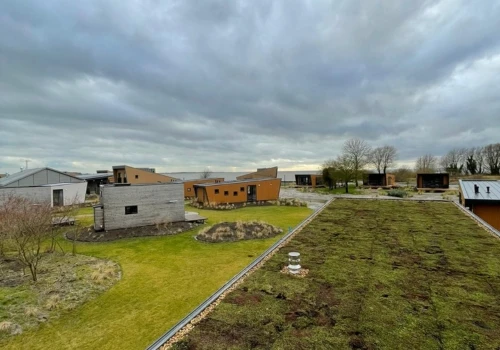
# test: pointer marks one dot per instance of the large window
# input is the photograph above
(131, 209)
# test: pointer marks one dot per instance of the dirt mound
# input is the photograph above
(237, 231)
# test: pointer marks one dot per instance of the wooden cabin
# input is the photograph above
(260, 174)
(434, 181)
(243, 191)
(482, 197)
(309, 180)
(189, 191)
(379, 180)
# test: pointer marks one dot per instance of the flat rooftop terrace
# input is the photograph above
(382, 275)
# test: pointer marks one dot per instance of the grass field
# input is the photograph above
(382, 275)
(164, 278)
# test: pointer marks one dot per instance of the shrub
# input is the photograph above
(397, 193)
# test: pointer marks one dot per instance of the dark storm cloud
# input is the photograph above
(181, 85)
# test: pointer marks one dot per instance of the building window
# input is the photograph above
(189, 190)
(137, 176)
(242, 189)
(226, 193)
(216, 191)
(131, 209)
(235, 193)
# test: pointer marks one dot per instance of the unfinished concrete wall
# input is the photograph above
(142, 205)
(98, 218)
(35, 194)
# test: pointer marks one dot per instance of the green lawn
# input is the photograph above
(338, 190)
(164, 278)
(382, 275)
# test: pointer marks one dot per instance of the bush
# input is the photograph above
(397, 193)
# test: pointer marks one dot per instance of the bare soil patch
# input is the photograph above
(236, 231)
(64, 282)
(89, 235)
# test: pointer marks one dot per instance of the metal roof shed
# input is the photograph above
(482, 197)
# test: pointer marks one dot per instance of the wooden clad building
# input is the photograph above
(434, 180)
(126, 205)
(260, 174)
(189, 191)
(238, 191)
(312, 180)
(379, 180)
(127, 174)
(482, 197)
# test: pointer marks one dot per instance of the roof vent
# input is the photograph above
(487, 189)
(476, 188)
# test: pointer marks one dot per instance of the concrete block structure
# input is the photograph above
(44, 185)
(126, 205)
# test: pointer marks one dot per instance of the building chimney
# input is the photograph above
(476, 188)
(487, 189)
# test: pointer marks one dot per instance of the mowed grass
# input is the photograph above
(164, 278)
(382, 275)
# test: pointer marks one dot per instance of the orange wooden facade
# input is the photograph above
(238, 191)
(189, 191)
(260, 174)
(489, 213)
(127, 174)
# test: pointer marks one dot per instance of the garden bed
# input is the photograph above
(382, 275)
(89, 235)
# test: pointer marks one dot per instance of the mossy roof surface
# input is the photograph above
(382, 275)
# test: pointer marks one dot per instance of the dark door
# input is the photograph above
(57, 198)
(252, 193)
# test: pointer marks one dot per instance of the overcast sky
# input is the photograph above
(235, 85)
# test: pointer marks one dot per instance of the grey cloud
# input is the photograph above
(181, 84)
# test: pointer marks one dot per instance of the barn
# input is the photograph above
(44, 185)
(253, 190)
(482, 197)
(433, 180)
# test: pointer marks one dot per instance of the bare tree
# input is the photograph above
(454, 161)
(404, 174)
(357, 151)
(426, 164)
(492, 158)
(479, 158)
(205, 174)
(344, 169)
(382, 157)
(27, 225)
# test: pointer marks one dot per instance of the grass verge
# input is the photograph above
(382, 275)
